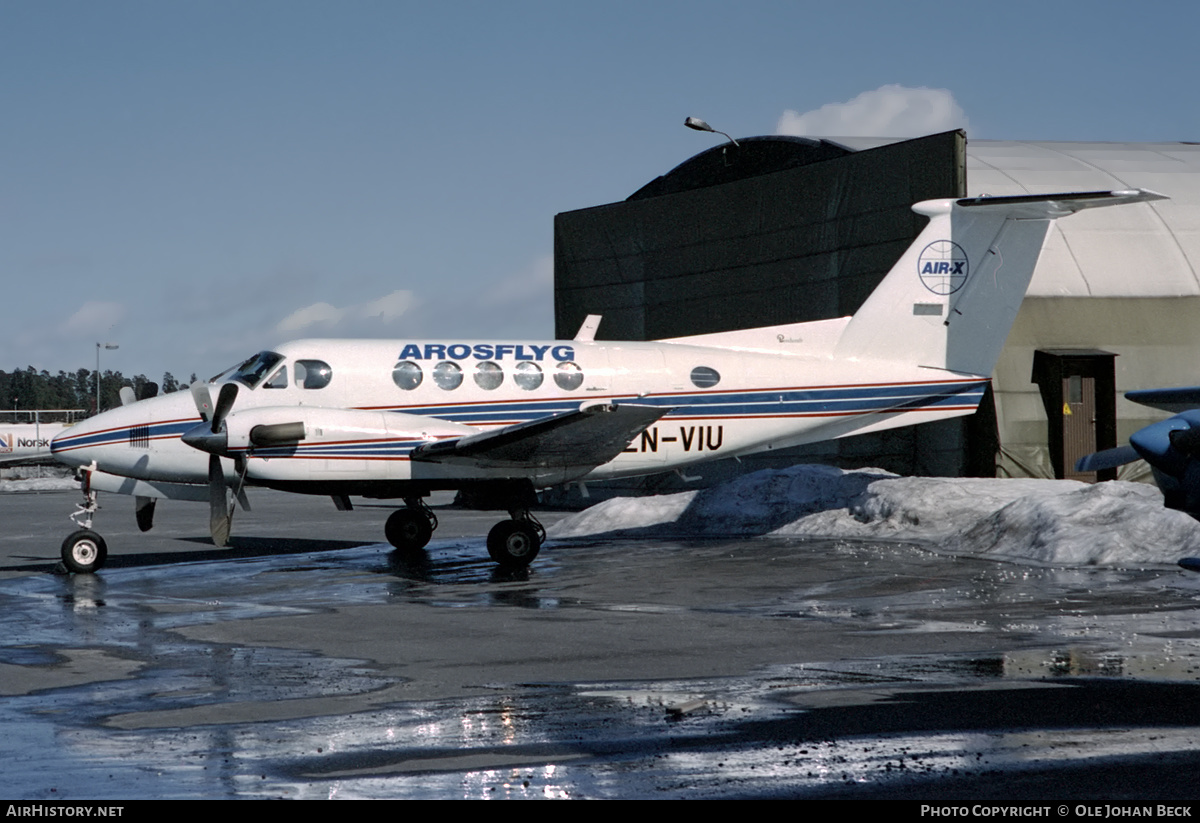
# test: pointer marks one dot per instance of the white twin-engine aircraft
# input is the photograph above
(400, 419)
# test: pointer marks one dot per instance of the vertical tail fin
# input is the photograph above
(951, 299)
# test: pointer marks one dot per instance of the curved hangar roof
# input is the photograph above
(1143, 250)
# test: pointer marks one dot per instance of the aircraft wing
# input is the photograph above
(591, 436)
(1172, 400)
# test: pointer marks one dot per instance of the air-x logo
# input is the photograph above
(943, 267)
(6, 443)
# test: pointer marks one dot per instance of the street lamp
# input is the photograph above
(107, 346)
(699, 125)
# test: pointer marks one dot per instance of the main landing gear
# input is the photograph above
(410, 528)
(514, 542)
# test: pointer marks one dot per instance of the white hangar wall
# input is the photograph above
(1120, 280)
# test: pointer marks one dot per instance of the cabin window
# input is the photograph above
(528, 376)
(313, 374)
(447, 375)
(407, 375)
(705, 378)
(488, 375)
(278, 379)
(569, 376)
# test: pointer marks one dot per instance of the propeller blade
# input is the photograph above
(219, 515)
(202, 399)
(127, 396)
(229, 393)
(1107, 459)
(277, 434)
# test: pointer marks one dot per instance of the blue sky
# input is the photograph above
(197, 181)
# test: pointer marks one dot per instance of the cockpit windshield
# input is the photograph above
(251, 372)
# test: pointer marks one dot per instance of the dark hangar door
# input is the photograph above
(1078, 390)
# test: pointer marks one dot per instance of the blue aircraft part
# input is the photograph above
(1161, 450)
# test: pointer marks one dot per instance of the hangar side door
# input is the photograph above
(1078, 390)
(1078, 424)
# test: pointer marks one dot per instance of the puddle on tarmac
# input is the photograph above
(1103, 668)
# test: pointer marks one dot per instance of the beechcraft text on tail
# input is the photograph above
(501, 419)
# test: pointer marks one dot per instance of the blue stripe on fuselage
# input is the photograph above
(120, 434)
(831, 401)
(796, 402)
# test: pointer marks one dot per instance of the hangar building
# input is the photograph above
(787, 229)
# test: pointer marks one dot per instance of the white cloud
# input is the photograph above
(329, 319)
(318, 314)
(95, 318)
(389, 307)
(888, 111)
(519, 304)
(536, 281)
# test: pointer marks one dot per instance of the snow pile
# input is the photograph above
(1043, 521)
(39, 484)
(46, 479)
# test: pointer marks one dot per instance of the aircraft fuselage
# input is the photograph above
(367, 404)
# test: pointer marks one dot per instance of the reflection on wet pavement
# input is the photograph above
(832, 670)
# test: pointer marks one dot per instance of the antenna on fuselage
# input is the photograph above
(587, 332)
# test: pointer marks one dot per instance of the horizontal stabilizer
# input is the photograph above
(1107, 459)
(588, 437)
(1059, 205)
(1172, 400)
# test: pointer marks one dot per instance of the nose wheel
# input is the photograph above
(84, 551)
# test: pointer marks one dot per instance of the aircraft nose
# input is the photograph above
(72, 446)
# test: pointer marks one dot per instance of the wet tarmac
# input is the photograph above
(309, 661)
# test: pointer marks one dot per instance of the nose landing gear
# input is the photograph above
(84, 551)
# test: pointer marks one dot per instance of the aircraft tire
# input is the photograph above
(408, 529)
(513, 543)
(84, 551)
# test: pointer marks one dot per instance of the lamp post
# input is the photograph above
(107, 346)
(699, 125)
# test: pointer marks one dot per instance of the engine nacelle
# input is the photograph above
(1172, 448)
(311, 443)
